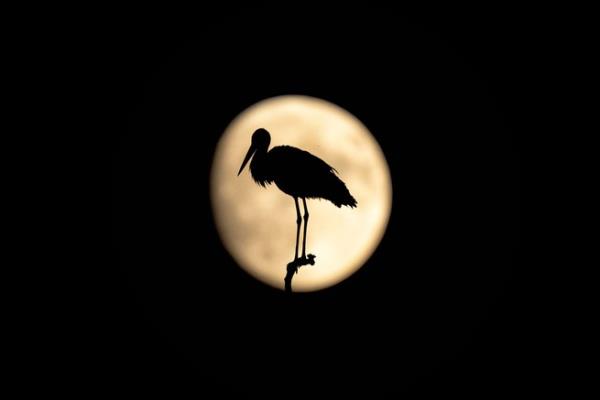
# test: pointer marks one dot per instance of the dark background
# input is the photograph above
(442, 306)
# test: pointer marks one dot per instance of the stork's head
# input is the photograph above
(260, 141)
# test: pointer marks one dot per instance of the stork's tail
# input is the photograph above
(339, 193)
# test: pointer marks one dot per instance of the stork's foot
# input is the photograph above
(309, 259)
(299, 262)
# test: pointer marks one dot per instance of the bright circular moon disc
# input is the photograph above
(258, 225)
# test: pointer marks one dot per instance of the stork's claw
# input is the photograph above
(299, 262)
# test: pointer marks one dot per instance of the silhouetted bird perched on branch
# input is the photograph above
(299, 174)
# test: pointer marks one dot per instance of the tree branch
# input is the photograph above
(292, 269)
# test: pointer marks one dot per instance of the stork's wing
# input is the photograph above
(299, 173)
(310, 164)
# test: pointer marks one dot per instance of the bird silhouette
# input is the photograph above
(299, 174)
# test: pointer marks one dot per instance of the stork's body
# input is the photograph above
(297, 173)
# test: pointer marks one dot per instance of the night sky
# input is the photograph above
(441, 306)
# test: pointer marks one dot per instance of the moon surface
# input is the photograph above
(258, 225)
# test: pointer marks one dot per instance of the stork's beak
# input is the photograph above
(249, 155)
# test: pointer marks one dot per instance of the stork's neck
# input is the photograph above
(258, 166)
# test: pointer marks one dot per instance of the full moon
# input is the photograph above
(258, 225)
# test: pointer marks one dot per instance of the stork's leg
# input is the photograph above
(298, 222)
(305, 226)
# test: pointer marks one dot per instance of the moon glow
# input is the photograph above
(258, 225)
